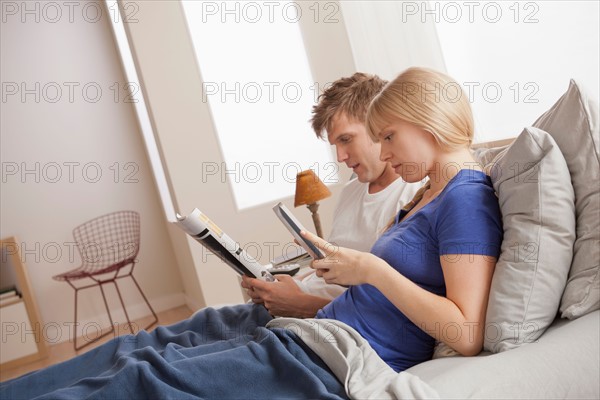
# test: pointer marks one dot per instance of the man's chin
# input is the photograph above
(363, 178)
(412, 178)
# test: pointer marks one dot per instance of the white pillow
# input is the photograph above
(573, 123)
(536, 199)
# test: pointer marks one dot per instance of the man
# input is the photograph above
(367, 202)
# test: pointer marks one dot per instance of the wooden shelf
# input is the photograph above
(22, 339)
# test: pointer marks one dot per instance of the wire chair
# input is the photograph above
(107, 245)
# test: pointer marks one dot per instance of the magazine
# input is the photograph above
(206, 232)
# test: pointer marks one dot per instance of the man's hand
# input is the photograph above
(283, 297)
(252, 293)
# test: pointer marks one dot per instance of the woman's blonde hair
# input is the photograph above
(428, 99)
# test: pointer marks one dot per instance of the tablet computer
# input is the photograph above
(294, 226)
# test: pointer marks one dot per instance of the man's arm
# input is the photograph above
(283, 298)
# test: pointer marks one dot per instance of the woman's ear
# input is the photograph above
(432, 137)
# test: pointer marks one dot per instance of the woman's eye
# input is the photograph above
(387, 138)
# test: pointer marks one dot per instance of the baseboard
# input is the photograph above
(192, 304)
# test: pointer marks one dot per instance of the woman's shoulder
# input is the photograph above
(469, 187)
(472, 180)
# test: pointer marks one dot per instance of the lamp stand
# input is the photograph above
(315, 216)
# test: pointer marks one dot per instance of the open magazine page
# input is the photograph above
(207, 233)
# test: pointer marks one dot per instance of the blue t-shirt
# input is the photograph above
(463, 219)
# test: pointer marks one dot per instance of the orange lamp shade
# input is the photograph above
(309, 188)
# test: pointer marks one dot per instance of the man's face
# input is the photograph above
(355, 148)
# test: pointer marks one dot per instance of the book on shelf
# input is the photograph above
(8, 297)
(8, 292)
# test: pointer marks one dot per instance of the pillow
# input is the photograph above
(536, 199)
(573, 123)
(486, 156)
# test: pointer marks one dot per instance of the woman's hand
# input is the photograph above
(342, 265)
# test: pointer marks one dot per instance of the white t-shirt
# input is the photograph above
(359, 219)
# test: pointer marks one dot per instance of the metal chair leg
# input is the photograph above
(112, 326)
(123, 305)
(75, 325)
(106, 306)
(147, 303)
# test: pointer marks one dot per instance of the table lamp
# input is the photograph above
(309, 190)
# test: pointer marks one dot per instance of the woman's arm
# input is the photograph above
(457, 319)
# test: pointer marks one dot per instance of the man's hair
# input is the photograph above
(350, 95)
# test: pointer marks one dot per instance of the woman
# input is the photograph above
(428, 276)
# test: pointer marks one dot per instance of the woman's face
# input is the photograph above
(411, 150)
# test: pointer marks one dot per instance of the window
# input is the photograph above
(257, 82)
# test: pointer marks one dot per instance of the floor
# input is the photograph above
(64, 351)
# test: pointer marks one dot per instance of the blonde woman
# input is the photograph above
(428, 276)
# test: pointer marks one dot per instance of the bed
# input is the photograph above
(542, 325)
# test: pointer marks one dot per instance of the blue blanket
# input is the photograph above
(217, 353)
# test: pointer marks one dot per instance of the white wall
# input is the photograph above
(516, 58)
(41, 209)
(385, 43)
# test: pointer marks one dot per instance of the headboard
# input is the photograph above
(492, 144)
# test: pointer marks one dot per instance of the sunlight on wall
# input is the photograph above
(515, 59)
(257, 82)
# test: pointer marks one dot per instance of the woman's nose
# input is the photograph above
(384, 155)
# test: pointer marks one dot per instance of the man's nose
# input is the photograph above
(342, 155)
